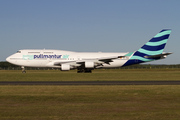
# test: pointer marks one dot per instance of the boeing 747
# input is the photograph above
(85, 62)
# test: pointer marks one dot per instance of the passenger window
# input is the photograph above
(18, 51)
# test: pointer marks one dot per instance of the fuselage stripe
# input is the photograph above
(140, 58)
(150, 52)
(163, 33)
(157, 43)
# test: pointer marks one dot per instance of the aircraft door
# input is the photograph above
(78, 58)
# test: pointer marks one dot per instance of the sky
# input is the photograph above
(88, 25)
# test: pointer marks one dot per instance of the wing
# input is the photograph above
(89, 63)
(109, 59)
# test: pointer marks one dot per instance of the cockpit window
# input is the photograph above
(18, 51)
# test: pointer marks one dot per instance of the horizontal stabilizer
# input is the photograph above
(160, 56)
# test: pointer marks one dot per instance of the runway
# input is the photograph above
(89, 82)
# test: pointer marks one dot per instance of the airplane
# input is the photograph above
(85, 62)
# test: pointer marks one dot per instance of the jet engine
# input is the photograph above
(89, 64)
(65, 67)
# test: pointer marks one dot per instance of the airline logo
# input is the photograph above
(41, 56)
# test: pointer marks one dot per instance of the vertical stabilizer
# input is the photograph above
(155, 46)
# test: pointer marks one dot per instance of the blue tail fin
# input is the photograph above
(154, 47)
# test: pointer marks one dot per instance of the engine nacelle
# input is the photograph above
(89, 64)
(65, 67)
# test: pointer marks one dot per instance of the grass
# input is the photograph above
(90, 102)
(97, 75)
(129, 102)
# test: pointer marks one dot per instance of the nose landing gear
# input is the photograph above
(23, 69)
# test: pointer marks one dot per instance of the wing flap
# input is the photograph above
(110, 58)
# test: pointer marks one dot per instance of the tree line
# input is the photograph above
(9, 66)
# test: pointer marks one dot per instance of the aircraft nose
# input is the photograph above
(8, 59)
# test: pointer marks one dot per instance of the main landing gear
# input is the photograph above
(23, 69)
(84, 71)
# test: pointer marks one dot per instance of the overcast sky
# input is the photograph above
(88, 25)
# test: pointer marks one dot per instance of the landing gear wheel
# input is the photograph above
(88, 71)
(80, 71)
(84, 71)
(23, 69)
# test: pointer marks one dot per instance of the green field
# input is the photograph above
(112, 102)
(97, 75)
(90, 102)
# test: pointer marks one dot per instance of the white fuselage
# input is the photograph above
(48, 58)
